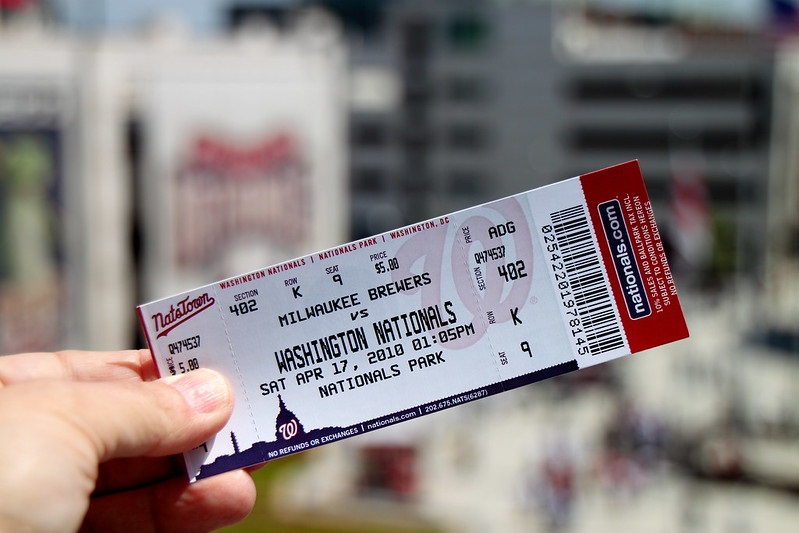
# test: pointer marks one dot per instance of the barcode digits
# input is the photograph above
(589, 298)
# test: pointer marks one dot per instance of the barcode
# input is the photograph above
(591, 293)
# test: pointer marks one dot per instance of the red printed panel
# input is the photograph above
(633, 250)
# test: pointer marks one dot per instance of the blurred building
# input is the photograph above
(780, 306)
(136, 166)
(469, 109)
(240, 152)
(772, 414)
(459, 102)
(62, 276)
(481, 100)
(692, 102)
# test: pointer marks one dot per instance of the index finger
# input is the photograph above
(73, 365)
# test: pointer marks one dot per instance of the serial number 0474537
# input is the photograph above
(490, 254)
(186, 345)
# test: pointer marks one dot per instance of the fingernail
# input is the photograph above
(204, 389)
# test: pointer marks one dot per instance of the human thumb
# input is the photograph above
(129, 419)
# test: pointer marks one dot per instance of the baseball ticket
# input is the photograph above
(426, 317)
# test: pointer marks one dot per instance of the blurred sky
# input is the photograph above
(208, 16)
(204, 16)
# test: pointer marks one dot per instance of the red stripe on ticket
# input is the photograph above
(634, 255)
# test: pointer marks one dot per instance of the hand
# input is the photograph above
(88, 442)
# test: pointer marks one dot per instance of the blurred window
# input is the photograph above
(466, 89)
(466, 182)
(369, 179)
(416, 136)
(467, 32)
(368, 133)
(711, 138)
(418, 92)
(716, 88)
(364, 17)
(467, 137)
(417, 38)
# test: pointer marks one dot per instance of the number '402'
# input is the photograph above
(242, 308)
(512, 271)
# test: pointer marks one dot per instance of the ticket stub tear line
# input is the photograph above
(425, 317)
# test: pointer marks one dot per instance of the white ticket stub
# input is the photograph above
(425, 317)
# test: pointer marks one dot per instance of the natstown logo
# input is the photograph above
(289, 429)
(180, 312)
(621, 249)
